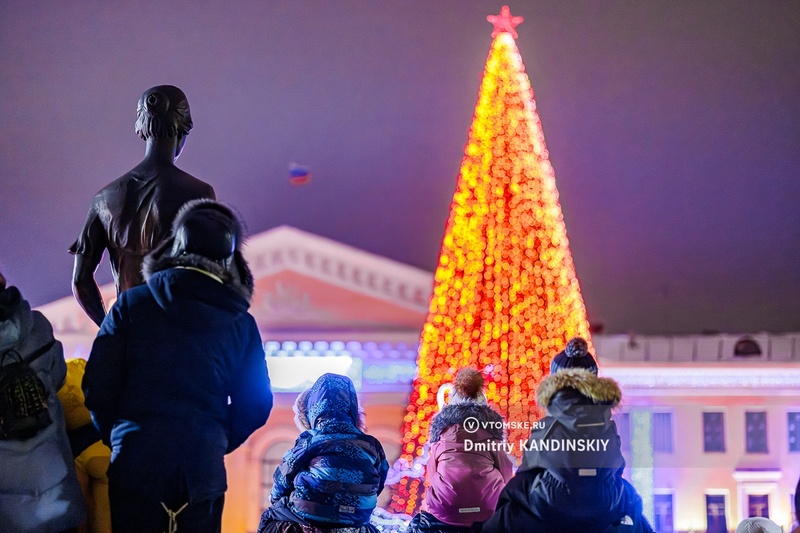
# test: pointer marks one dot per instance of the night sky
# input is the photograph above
(673, 128)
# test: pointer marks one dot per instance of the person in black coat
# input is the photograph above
(571, 475)
(177, 377)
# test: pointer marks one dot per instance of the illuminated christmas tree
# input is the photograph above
(505, 297)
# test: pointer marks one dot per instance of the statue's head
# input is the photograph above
(163, 112)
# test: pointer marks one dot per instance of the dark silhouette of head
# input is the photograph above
(163, 112)
(208, 229)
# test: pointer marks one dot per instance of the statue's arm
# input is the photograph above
(88, 252)
(85, 289)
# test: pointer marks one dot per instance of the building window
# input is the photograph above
(269, 463)
(794, 432)
(662, 432)
(623, 421)
(715, 514)
(755, 427)
(746, 347)
(713, 432)
(662, 506)
(758, 505)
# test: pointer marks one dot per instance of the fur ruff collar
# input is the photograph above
(229, 277)
(599, 390)
(456, 414)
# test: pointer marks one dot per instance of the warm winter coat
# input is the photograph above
(463, 483)
(518, 510)
(39, 492)
(581, 489)
(176, 377)
(335, 471)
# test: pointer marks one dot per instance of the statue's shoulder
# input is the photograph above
(203, 189)
(114, 187)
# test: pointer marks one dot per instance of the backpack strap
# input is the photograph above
(35, 355)
(41, 351)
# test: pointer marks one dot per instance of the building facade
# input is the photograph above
(710, 424)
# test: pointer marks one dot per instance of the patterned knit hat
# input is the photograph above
(575, 355)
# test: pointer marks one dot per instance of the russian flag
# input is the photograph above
(299, 174)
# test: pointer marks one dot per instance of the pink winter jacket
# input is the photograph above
(464, 485)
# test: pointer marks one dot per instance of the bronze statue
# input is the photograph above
(132, 214)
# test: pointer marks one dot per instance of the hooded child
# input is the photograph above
(333, 475)
(466, 469)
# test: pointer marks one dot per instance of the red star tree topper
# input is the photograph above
(505, 297)
(504, 22)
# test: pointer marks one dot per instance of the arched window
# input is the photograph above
(269, 462)
(746, 347)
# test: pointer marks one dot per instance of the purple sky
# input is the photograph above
(673, 127)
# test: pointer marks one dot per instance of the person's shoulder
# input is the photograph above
(41, 322)
(134, 297)
(373, 443)
(371, 439)
(135, 292)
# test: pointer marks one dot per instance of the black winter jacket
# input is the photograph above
(570, 479)
(519, 505)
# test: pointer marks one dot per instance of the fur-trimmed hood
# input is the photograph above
(237, 274)
(601, 391)
(456, 414)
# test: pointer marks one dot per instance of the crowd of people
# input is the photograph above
(134, 439)
(176, 379)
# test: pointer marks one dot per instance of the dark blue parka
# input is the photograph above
(177, 378)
